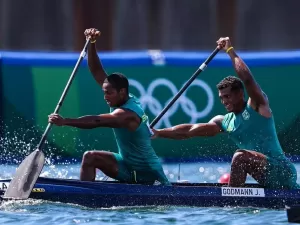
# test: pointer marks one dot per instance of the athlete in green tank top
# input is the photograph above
(135, 147)
(250, 124)
(136, 161)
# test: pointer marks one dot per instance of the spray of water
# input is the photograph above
(17, 144)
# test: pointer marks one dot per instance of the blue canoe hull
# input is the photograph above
(108, 194)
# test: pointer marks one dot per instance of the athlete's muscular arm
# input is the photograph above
(94, 62)
(119, 118)
(186, 131)
(258, 98)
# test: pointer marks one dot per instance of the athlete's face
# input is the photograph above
(232, 100)
(112, 96)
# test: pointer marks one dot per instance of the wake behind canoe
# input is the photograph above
(110, 193)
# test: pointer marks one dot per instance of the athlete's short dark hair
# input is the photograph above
(118, 81)
(233, 82)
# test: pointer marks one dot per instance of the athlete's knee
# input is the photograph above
(89, 157)
(239, 157)
(95, 157)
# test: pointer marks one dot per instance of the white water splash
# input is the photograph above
(18, 205)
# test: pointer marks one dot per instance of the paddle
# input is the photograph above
(199, 70)
(28, 172)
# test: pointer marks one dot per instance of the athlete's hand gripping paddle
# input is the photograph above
(28, 172)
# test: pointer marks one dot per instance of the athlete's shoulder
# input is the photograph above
(221, 118)
(133, 98)
(133, 101)
(124, 113)
(133, 104)
(225, 123)
(217, 119)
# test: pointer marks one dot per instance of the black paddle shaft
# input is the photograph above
(199, 70)
(62, 98)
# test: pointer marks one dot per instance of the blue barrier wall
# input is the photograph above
(149, 58)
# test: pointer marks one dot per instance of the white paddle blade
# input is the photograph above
(26, 175)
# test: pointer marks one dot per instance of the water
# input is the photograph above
(42, 212)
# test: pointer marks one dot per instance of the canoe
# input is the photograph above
(112, 193)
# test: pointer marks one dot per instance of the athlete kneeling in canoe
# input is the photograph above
(250, 124)
(136, 161)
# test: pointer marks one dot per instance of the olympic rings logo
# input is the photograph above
(186, 104)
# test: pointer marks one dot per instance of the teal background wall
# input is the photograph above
(32, 83)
